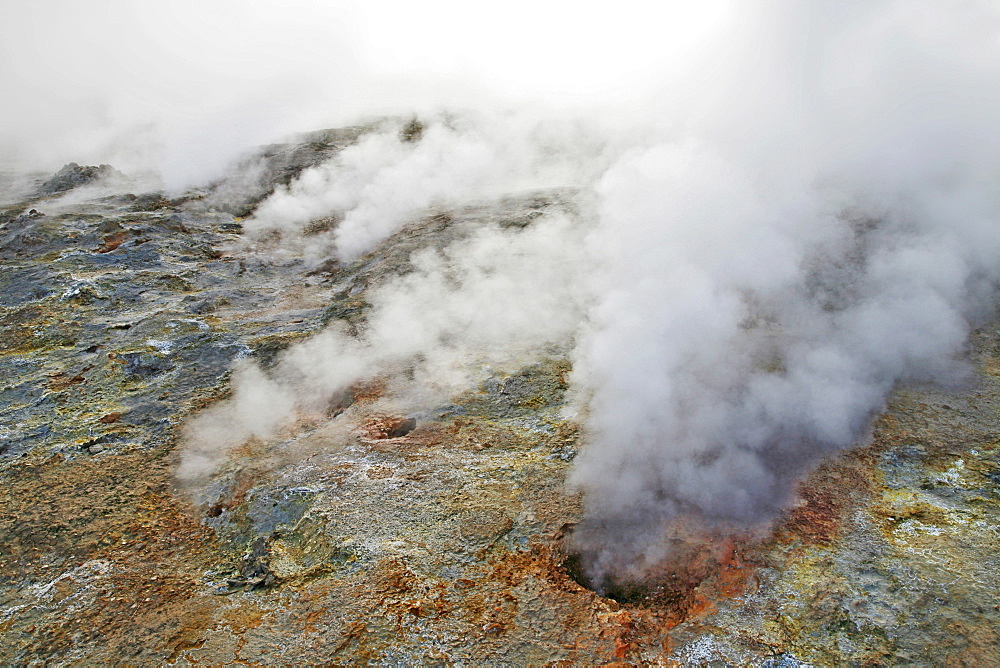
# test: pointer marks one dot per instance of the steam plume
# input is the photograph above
(484, 303)
(373, 188)
(754, 315)
(795, 209)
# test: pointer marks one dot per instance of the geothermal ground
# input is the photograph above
(365, 537)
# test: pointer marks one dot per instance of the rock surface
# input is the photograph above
(411, 541)
(73, 175)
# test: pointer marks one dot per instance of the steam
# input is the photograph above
(794, 208)
(762, 332)
(753, 314)
(484, 303)
(179, 89)
(373, 188)
(186, 88)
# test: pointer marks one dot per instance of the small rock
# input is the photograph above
(412, 131)
(73, 175)
(150, 202)
(378, 471)
(96, 449)
(402, 427)
(386, 426)
(112, 241)
(145, 364)
(110, 418)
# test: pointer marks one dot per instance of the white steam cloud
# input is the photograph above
(374, 187)
(795, 207)
(740, 336)
(758, 302)
(489, 302)
(179, 88)
(185, 88)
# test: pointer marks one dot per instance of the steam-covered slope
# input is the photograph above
(415, 510)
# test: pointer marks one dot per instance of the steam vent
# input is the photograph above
(231, 437)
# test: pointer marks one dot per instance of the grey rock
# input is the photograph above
(73, 175)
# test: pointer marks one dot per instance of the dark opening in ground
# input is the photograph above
(698, 564)
(402, 428)
(651, 593)
(630, 593)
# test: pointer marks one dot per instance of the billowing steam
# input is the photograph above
(373, 188)
(756, 304)
(792, 212)
(757, 279)
(757, 335)
(487, 301)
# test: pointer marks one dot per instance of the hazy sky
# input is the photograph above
(182, 85)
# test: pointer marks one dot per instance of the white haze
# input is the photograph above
(184, 88)
(765, 283)
(795, 208)
(375, 187)
(480, 305)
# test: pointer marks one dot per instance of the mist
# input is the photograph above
(782, 211)
(485, 303)
(375, 187)
(765, 282)
(183, 90)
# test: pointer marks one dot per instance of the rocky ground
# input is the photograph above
(410, 542)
